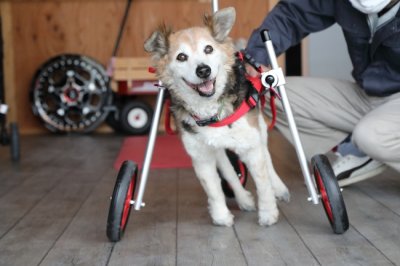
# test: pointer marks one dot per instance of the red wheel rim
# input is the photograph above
(127, 204)
(324, 196)
(242, 173)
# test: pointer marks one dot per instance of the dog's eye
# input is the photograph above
(182, 57)
(208, 49)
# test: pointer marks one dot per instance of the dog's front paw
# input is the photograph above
(267, 218)
(223, 219)
(246, 201)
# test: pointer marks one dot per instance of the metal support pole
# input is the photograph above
(214, 4)
(150, 146)
(292, 124)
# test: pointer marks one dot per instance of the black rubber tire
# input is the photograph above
(14, 142)
(113, 121)
(113, 116)
(241, 171)
(144, 116)
(331, 196)
(4, 138)
(71, 93)
(120, 207)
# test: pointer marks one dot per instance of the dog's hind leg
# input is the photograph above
(243, 197)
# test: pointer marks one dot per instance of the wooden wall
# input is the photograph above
(35, 30)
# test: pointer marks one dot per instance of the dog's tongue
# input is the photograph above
(206, 87)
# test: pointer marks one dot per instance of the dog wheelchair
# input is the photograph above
(323, 188)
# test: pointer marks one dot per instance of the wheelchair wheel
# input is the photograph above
(241, 171)
(70, 93)
(330, 194)
(120, 206)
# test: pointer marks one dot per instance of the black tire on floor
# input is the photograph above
(136, 117)
(113, 121)
(120, 206)
(331, 196)
(113, 116)
(241, 171)
(14, 142)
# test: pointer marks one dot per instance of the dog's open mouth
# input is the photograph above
(206, 89)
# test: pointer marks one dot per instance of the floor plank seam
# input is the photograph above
(378, 201)
(177, 216)
(372, 244)
(109, 254)
(240, 244)
(70, 221)
(28, 177)
(15, 186)
(31, 208)
(300, 237)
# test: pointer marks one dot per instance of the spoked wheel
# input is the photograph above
(241, 171)
(330, 194)
(70, 93)
(136, 117)
(120, 206)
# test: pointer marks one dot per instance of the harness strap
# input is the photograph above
(167, 120)
(242, 110)
(273, 110)
(255, 95)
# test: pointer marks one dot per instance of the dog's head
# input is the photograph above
(195, 62)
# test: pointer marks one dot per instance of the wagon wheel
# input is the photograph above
(70, 93)
(136, 117)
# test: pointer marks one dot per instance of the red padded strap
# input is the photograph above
(243, 109)
(167, 121)
(273, 111)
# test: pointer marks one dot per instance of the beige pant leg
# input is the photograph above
(325, 111)
(378, 132)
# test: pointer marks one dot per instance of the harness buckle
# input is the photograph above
(253, 98)
(206, 122)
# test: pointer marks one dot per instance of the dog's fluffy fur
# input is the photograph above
(198, 67)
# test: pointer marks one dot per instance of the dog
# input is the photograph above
(199, 68)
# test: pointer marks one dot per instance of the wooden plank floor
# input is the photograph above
(54, 205)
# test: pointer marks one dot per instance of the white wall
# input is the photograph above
(326, 55)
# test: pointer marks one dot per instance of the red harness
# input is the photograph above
(257, 94)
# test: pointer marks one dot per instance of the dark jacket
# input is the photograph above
(376, 62)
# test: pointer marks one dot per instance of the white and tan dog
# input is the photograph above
(198, 67)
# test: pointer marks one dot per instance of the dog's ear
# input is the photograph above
(158, 44)
(221, 23)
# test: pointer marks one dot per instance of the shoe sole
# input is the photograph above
(369, 174)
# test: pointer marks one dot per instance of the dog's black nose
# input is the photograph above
(203, 71)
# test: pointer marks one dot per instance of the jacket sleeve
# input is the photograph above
(288, 23)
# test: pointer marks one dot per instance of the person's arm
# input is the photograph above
(288, 23)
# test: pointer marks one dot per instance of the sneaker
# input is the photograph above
(350, 169)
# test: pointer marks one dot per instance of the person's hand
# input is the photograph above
(253, 72)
